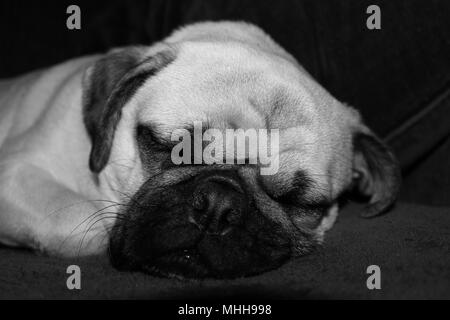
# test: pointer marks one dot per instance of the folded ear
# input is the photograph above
(376, 173)
(107, 86)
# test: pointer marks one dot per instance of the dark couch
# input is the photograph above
(398, 77)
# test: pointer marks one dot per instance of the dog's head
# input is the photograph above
(225, 220)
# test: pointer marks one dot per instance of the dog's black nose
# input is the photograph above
(219, 204)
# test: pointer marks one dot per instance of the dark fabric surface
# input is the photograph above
(410, 246)
(398, 77)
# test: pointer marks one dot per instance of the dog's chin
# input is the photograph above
(193, 264)
(186, 264)
(207, 257)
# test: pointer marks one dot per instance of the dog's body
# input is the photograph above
(116, 113)
(44, 177)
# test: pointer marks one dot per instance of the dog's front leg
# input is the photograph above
(39, 213)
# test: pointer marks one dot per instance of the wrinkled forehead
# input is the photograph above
(224, 86)
(234, 86)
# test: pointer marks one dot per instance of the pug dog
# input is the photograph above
(86, 168)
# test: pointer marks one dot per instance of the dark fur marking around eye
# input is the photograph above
(295, 197)
(153, 145)
(147, 138)
(152, 150)
(300, 184)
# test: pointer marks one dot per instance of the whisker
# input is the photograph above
(91, 216)
(78, 203)
(91, 226)
(130, 198)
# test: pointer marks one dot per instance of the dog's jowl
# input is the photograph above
(86, 166)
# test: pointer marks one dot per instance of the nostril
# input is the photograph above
(223, 222)
(224, 213)
(230, 216)
(218, 205)
(226, 221)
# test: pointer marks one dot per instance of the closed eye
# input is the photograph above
(300, 184)
(295, 198)
(296, 195)
(147, 138)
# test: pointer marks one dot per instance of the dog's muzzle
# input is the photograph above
(207, 226)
